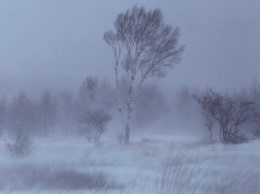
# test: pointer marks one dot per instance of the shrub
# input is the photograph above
(229, 112)
(21, 146)
(96, 123)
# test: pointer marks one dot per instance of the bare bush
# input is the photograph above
(230, 113)
(21, 146)
(96, 122)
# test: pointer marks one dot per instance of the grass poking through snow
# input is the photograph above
(154, 167)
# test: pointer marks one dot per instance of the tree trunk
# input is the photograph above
(221, 134)
(129, 104)
(127, 133)
(210, 136)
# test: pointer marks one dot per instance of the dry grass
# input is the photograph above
(203, 168)
(31, 177)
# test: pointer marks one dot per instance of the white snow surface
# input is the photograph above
(150, 165)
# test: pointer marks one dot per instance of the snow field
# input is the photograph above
(152, 166)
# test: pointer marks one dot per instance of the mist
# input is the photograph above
(60, 43)
(63, 119)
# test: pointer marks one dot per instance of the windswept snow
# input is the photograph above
(151, 165)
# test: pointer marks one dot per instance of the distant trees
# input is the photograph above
(51, 113)
(66, 110)
(93, 108)
(22, 115)
(184, 103)
(255, 95)
(229, 113)
(21, 122)
(228, 116)
(150, 105)
(3, 114)
(143, 47)
(31, 115)
(47, 112)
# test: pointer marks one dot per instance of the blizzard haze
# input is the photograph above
(65, 126)
(59, 43)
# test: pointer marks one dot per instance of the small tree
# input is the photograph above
(229, 112)
(93, 110)
(96, 122)
(143, 47)
(22, 116)
(21, 146)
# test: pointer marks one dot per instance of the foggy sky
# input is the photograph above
(47, 43)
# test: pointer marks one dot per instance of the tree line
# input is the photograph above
(87, 111)
(231, 117)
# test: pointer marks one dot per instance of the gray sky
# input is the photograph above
(60, 42)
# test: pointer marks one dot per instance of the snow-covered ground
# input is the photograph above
(154, 165)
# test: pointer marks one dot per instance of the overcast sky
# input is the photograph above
(60, 42)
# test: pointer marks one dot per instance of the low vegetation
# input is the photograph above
(32, 177)
(150, 166)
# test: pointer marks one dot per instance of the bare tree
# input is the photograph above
(96, 122)
(21, 146)
(143, 47)
(229, 112)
